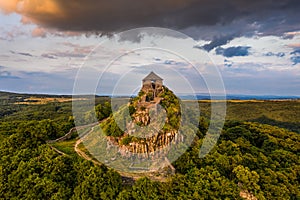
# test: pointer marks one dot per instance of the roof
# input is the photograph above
(152, 77)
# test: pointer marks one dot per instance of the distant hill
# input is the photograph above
(11, 97)
(237, 97)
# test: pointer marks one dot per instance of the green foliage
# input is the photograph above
(150, 96)
(284, 114)
(141, 93)
(97, 183)
(261, 159)
(172, 106)
(66, 147)
(103, 111)
(131, 109)
(126, 140)
(100, 112)
(111, 128)
(248, 179)
(145, 189)
(30, 169)
(204, 183)
(203, 125)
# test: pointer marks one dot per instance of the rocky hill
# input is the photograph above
(153, 123)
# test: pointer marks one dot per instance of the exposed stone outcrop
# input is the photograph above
(155, 145)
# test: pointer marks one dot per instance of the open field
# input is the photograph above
(36, 100)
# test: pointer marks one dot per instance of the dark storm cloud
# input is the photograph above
(273, 17)
(233, 51)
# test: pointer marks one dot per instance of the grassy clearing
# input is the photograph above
(66, 146)
(38, 101)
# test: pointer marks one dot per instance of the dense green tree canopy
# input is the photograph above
(253, 158)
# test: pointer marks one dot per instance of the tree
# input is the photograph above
(248, 179)
(145, 189)
(98, 183)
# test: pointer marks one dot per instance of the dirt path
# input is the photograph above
(58, 151)
(69, 134)
(127, 179)
(81, 153)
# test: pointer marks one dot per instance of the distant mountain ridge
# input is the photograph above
(238, 97)
(196, 96)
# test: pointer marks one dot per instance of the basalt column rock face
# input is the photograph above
(154, 120)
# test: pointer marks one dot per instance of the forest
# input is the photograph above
(257, 156)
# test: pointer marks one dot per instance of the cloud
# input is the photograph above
(295, 59)
(50, 56)
(170, 62)
(60, 82)
(228, 63)
(44, 32)
(295, 56)
(4, 74)
(78, 48)
(217, 41)
(296, 51)
(22, 53)
(7, 75)
(138, 35)
(233, 51)
(290, 35)
(296, 45)
(39, 32)
(10, 33)
(63, 54)
(253, 78)
(77, 51)
(279, 54)
(102, 16)
(261, 83)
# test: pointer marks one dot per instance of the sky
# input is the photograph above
(54, 46)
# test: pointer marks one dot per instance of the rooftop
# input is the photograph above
(152, 77)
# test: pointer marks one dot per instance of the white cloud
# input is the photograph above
(57, 59)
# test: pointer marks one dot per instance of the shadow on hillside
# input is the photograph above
(295, 127)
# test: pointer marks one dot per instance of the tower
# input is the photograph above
(152, 83)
